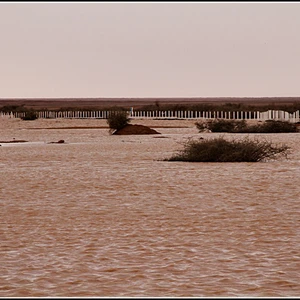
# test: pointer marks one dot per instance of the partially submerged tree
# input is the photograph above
(30, 115)
(221, 150)
(117, 120)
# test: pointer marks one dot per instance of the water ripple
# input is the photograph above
(105, 216)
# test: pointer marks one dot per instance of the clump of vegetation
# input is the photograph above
(220, 125)
(13, 108)
(30, 115)
(221, 150)
(117, 120)
(241, 126)
(247, 104)
(272, 126)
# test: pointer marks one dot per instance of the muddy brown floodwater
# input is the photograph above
(105, 216)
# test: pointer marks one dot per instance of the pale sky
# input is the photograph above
(149, 49)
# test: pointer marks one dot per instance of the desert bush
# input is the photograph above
(117, 120)
(30, 115)
(240, 126)
(272, 126)
(221, 150)
(220, 125)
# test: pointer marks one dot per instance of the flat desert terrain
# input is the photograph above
(102, 103)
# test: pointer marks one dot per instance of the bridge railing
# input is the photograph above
(278, 115)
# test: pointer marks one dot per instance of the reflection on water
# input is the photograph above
(103, 215)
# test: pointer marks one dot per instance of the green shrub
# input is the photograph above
(221, 150)
(30, 115)
(117, 120)
(240, 126)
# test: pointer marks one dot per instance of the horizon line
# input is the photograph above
(157, 97)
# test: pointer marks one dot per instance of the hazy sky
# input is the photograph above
(149, 49)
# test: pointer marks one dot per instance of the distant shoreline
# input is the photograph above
(100, 103)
